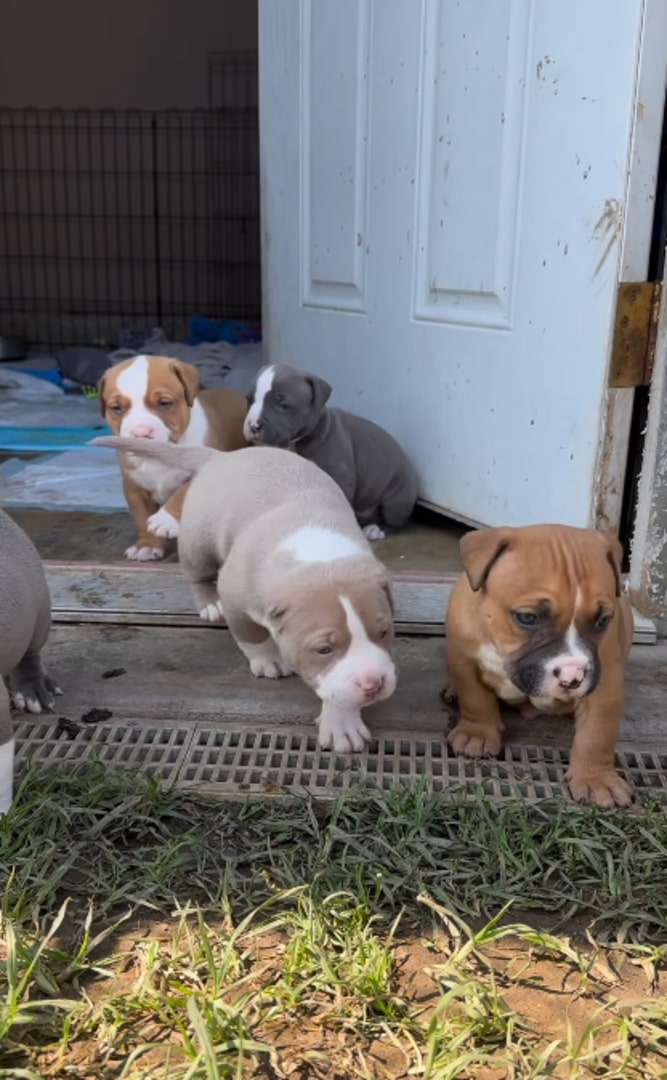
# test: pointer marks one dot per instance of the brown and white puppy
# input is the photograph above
(270, 539)
(537, 621)
(157, 397)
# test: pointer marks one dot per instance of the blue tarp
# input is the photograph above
(29, 440)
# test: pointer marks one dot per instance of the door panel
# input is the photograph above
(443, 192)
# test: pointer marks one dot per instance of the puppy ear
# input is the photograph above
(615, 558)
(385, 585)
(188, 375)
(100, 390)
(320, 391)
(480, 550)
(276, 614)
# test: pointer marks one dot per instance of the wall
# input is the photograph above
(150, 54)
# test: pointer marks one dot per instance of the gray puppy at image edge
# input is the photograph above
(288, 409)
(25, 621)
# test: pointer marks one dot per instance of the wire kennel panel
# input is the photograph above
(126, 218)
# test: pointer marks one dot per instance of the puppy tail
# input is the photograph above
(179, 463)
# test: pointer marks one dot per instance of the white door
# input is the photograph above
(443, 195)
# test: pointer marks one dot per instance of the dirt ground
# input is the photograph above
(567, 1007)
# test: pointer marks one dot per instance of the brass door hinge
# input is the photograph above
(635, 328)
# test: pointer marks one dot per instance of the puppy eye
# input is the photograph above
(284, 405)
(526, 619)
(116, 407)
(324, 650)
(603, 620)
(164, 403)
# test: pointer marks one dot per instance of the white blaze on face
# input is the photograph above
(254, 414)
(316, 544)
(139, 422)
(568, 675)
(366, 672)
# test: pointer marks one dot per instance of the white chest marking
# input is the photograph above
(196, 432)
(151, 475)
(493, 669)
(316, 544)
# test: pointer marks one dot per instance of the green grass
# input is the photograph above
(147, 933)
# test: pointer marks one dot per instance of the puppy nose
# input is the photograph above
(573, 684)
(370, 684)
(142, 431)
(570, 675)
(255, 426)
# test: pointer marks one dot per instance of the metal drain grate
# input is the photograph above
(157, 751)
(226, 762)
(256, 761)
(222, 761)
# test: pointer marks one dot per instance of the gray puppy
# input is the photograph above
(288, 408)
(25, 621)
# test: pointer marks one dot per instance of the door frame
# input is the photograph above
(648, 558)
(643, 163)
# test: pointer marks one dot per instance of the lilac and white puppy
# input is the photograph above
(270, 541)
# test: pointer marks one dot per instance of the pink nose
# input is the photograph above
(370, 684)
(142, 431)
(570, 674)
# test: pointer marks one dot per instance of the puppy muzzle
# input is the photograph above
(560, 679)
(360, 690)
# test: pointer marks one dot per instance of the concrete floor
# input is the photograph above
(429, 544)
(199, 674)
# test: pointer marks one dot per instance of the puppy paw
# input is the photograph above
(269, 669)
(344, 734)
(211, 612)
(475, 742)
(604, 787)
(373, 532)
(163, 524)
(33, 695)
(144, 553)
